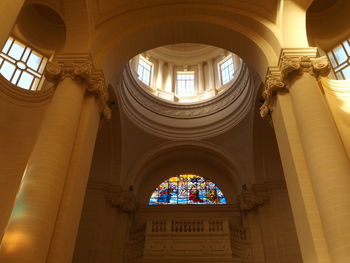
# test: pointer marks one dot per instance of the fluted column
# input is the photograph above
(324, 153)
(9, 12)
(29, 231)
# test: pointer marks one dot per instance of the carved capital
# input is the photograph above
(293, 63)
(96, 86)
(123, 200)
(56, 72)
(80, 69)
(249, 200)
(273, 85)
(321, 66)
(304, 64)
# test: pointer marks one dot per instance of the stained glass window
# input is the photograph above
(187, 189)
(21, 65)
(340, 60)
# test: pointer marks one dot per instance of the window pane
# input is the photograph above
(340, 54)
(25, 81)
(16, 76)
(7, 70)
(346, 72)
(7, 45)
(16, 50)
(347, 47)
(226, 71)
(34, 61)
(144, 70)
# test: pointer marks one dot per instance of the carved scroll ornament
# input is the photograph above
(273, 85)
(290, 67)
(81, 72)
(249, 200)
(123, 200)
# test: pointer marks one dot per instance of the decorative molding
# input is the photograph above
(273, 85)
(292, 64)
(183, 111)
(79, 68)
(23, 97)
(250, 200)
(177, 121)
(123, 200)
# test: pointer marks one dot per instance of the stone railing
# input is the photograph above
(212, 238)
(135, 244)
(191, 226)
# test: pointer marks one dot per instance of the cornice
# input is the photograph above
(185, 121)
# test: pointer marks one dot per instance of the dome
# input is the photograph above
(185, 73)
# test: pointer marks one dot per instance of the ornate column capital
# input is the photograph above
(79, 67)
(123, 200)
(249, 200)
(292, 64)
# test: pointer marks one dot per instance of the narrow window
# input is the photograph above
(144, 70)
(185, 83)
(340, 60)
(22, 65)
(226, 70)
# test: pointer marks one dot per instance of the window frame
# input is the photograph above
(150, 71)
(340, 66)
(24, 66)
(220, 69)
(193, 87)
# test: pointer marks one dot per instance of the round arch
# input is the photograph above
(189, 157)
(249, 36)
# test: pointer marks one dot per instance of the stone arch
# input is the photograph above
(171, 159)
(249, 36)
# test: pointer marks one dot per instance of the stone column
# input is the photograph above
(210, 76)
(10, 10)
(324, 153)
(30, 228)
(200, 78)
(68, 218)
(169, 80)
(159, 80)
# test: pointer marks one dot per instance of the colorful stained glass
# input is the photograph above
(187, 189)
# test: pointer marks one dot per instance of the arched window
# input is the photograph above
(187, 189)
(22, 65)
